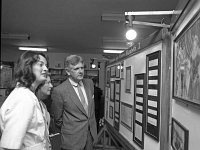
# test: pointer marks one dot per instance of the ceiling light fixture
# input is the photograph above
(113, 51)
(33, 49)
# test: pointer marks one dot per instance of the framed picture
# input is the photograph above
(153, 73)
(139, 109)
(112, 71)
(106, 108)
(112, 91)
(117, 104)
(118, 70)
(128, 79)
(126, 115)
(186, 74)
(108, 76)
(122, 70)
(179, 136)
(111, 112)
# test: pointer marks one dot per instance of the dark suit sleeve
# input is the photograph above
(57, 107)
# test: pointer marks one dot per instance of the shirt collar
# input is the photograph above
(74, 83)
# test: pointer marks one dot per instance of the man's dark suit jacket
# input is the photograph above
(70, 115)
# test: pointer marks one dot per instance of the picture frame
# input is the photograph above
(122, 70)
(113, 71)
(112, 91)
(118, 71)
(108, 76)
(111, 112)
(186, 73)
(179, 136)
(139, 109)
(126, 115)
(117, 104)
(128, 80)
(153, 75)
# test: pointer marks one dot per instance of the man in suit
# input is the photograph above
(73, 107)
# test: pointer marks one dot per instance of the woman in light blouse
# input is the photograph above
(21, 119)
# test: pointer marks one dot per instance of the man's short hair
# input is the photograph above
(73, 60)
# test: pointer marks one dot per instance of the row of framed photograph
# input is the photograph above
(144, 115)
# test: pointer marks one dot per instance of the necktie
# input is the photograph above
(83, 101)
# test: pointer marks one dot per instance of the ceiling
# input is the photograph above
(77, 26)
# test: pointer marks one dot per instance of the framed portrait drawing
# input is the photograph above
(179, 136)
(128, 80)
(186, 74)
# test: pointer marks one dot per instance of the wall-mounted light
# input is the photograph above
(131, 33)
(113, 51)
(92, 65)
(33, 49)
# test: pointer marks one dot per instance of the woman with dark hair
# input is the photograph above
(21, 120)
(42, 93)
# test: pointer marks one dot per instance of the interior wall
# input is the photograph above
(188, 115)
(12, 54)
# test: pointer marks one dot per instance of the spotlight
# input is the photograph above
(131, 34)
(93, 66)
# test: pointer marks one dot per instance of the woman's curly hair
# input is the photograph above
(24, 74)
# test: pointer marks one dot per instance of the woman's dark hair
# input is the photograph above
(23, 74)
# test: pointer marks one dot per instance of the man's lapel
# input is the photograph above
(87, 90)
(74, 97)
